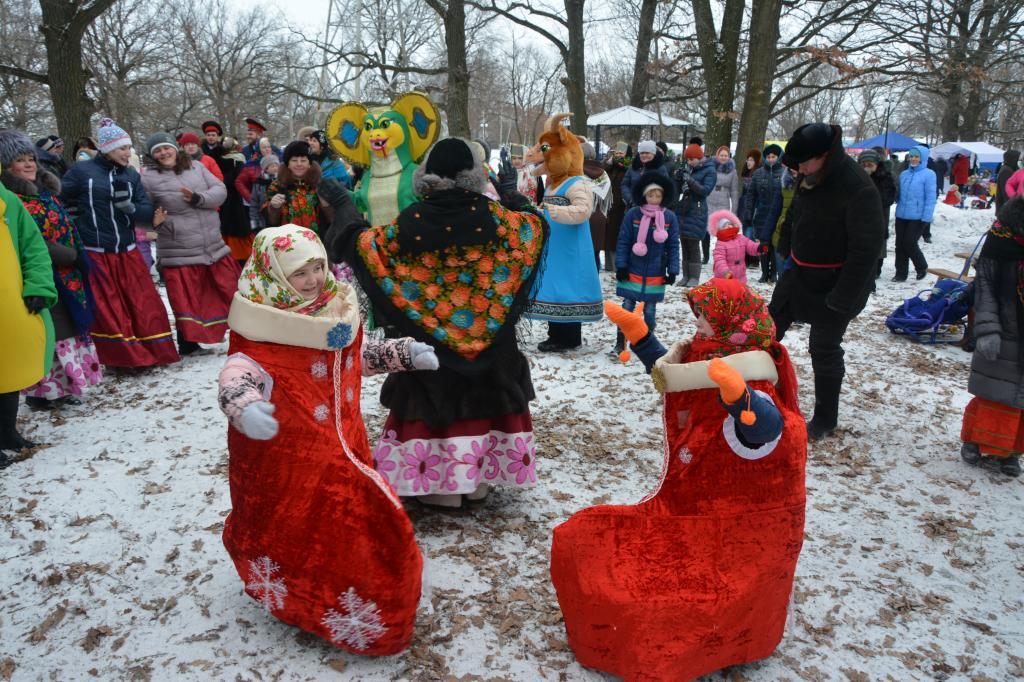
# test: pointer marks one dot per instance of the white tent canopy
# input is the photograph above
(633, 116)
(985, 152)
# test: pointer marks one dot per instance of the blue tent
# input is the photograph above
(895, 142)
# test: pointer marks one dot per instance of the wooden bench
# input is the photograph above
(943, 273)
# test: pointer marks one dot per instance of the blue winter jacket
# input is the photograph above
(87, 190)
(693, 209)
(661, 259)
(335, 168)
(766, 199)
(917, 191)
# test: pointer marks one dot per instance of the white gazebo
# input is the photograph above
(632, 117)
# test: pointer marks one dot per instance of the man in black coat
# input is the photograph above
(833, 238)
(1011, 157)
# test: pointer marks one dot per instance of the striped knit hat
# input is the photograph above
(110, 136)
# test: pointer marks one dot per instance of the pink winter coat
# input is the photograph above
(730, 254)
(730, 257)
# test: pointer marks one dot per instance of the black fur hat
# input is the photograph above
(654, 178)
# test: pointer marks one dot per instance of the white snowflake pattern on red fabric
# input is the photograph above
(357, 625)
(320, 413)
(685, 456)
(270, 590)
(349, 395)
(319, 369)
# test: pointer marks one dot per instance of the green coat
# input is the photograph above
(26, 340)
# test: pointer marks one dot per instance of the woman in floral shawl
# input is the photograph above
(77, 365)
(455, 271)
(292, 197)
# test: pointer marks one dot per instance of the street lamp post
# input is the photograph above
(888, 110)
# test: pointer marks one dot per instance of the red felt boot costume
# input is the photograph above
(698, 575)
(317, 536)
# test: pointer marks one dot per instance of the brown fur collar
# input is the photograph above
(312, 179)
(45, 179)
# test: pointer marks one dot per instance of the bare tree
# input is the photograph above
(24, 102)
(764, 38)
(63, 26)
(719, 55)
(570, 20)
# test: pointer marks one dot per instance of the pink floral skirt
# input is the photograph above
(418, 460)
(75, 366)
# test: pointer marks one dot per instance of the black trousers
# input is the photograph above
(566, 333)
(691, 249)
(908, 248)
(825, 343)
(705, 247)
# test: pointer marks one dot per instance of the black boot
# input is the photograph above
(562, 336)
(186, 347)
(764, 268)
(10, 439)
(826, 407)
(620, 343)
(1010, 465)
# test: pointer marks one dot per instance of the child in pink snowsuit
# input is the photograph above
(731, 247)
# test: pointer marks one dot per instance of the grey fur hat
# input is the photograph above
(473, 179)
(157, 140)
(14, 144)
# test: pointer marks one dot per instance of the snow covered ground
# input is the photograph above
(111, 564)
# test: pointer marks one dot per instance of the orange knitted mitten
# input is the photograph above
(631, 323)
(731, 386)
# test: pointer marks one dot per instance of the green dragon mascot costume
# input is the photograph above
(389, 142)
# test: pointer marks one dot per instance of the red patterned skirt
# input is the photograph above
(130, 328)
(241, 247)
(200, 296)
(997, 429)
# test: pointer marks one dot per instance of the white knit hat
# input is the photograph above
(647, 146)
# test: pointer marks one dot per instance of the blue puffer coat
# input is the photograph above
(87, 190)
(637, 169)
(335, 168)
(917, 191)
(765, 198)
(693, 209)
(661, 259)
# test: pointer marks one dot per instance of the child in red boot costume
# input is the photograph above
(731, 247)
(698, 575)
(317, 536)
(994, 419)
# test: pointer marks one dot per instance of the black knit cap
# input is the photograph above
(809, 141)
(296, 148)
(449, 157)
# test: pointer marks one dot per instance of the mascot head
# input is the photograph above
(407, 128)
(560, 149)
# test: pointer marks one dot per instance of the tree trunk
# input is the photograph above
(63, 26)
(719, 54)
(457, 96)
(641, 78)
(575, 67)
(764, 39)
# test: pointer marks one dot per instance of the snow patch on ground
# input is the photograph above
(912, 567)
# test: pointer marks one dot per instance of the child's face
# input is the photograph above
(309, 279)
(704, 327)
(653, 197)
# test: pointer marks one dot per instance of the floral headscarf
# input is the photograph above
(277, 252)
(740, 322)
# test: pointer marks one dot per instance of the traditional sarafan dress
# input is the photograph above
(455, 271)
(697, 576)
(569, 290)
(317, 536)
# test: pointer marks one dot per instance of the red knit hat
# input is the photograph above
(188, 138)
(693, 151)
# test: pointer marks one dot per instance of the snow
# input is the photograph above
(112, 565)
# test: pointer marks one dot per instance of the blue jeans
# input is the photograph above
(650, 310)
